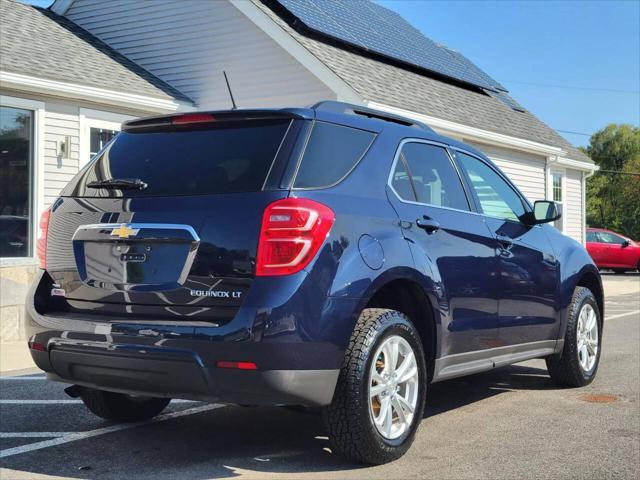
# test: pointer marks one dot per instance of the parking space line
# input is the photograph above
(620, 315)
(39, 377)
(37, 402)
(34, 434)
(72, 437)
(62, 402)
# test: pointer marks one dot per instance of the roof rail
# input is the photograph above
(351, 109)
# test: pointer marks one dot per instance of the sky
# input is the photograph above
(575, 64)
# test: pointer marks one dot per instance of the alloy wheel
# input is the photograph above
(393, 387)
(587, 336)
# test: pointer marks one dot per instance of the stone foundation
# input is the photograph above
(14, 285)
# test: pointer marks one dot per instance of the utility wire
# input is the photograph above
(574, 133)
(575, 87)
(617, 172)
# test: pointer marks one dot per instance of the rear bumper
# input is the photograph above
(296, 340)
(170, 373)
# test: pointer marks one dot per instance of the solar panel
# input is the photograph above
(506, 99)
(374, 28)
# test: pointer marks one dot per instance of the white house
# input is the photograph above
(63, 93)
(75, 71)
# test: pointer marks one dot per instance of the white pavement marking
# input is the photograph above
(62, 402)
(37, 402)
(620, 315)
(39, 377)
(72, 437)
(34, 434)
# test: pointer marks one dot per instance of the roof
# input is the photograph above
(379, 80)
(42, 44)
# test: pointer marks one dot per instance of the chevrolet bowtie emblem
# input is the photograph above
(123, 231)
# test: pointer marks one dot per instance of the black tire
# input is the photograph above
(349, 423)
(565, 369)
(122, 408)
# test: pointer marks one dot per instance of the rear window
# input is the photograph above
(331, 153)
(228, 157)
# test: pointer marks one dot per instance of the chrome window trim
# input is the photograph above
(445, 147)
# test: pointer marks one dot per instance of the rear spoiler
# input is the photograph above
(201, 118)
(359, 110)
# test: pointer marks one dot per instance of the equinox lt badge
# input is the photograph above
(215, 293)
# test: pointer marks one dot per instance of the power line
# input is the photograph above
(574, 133)
(617, 172)
(575, 87)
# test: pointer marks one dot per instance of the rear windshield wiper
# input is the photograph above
(119, 184)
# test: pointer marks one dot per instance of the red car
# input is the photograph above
(612, 250)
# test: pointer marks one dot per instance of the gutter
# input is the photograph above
(56, 88)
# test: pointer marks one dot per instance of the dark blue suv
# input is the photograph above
(334, 257)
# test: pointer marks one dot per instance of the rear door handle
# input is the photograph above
(429, 225)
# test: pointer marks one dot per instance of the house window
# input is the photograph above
(97, 128)
(98, 138)
(16, 181)
(557, 195)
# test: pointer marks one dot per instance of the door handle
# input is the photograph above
(429, 225)
(505, 241)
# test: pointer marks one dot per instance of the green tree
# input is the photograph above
(613, 193)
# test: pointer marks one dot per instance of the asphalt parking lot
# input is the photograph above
(509, 423)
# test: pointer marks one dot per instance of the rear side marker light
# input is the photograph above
(41, 244)
(37, 346)
(190, 118)
(293, 231)
(237, 365)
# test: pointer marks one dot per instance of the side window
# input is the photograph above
(331, 153)
(424, 173)
(606, 237)
(496, 197)
(592, 237)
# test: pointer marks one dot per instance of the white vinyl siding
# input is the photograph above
(573, 205)
(188, 43)
(61, 121)
(525, 170)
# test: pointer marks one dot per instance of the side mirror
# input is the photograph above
(545, 211)
(625, 244)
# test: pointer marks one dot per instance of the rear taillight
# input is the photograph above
(36, 346)
(293, 230)
(41, 244)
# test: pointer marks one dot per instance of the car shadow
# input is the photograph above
(227, 442)
(457, 393)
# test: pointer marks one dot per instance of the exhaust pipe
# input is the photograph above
(74, 391)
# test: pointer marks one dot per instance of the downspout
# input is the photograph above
(585, 176)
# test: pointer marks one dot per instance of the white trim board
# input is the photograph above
(549, 171)
(17, 81)
(458, 130)
(37, 193)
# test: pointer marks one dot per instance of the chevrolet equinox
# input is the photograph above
(333, 256)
